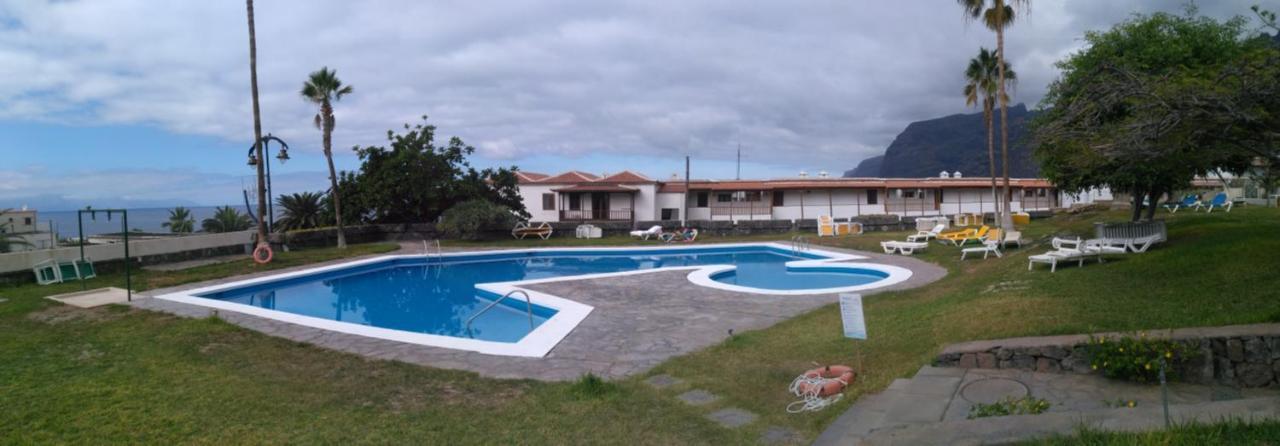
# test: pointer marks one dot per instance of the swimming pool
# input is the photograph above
(437, 300)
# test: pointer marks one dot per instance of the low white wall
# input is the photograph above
(19, 261)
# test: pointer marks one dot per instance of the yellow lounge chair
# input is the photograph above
(979, 236)
(956, 235)
(829, 227)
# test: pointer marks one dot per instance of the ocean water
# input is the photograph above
(148, 220)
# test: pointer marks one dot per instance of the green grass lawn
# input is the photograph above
(120, 375)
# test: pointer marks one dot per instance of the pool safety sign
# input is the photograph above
(851, 313)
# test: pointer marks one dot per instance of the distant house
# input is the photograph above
(629, 196)
(23, 223)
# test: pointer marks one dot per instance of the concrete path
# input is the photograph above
(639, 321)
(933, 407)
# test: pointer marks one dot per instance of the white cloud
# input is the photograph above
(833, 81)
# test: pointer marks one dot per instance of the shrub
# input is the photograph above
(590, 386)
(469, 219)
(1027, 405)
(1134, 358)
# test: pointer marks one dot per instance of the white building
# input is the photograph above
(629, 196)
(22, 224)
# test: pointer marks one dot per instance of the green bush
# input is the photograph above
(469, 219)
(1134, 358)
(1027, 405)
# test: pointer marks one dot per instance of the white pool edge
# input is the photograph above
(568, 315)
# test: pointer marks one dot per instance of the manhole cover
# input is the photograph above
(991, 390)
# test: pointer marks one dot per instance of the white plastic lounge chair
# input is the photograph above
(525, 229)
(1141, 244)
(904, 248)
(1220, 201)
(988, 247)
(1064, 250)
(1011, 237)
(653, 231)
(924, 236)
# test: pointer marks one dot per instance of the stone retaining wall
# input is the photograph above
(1237, 355)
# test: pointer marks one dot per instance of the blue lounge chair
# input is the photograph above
(1220, 201)
(1188, 201)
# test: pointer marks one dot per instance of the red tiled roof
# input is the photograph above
(530, 177)
(845, 183)
(596, 188)
(627, 176)
(572, 176)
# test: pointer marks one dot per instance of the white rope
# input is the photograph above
(810, 401)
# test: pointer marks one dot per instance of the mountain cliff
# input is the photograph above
(952, 143)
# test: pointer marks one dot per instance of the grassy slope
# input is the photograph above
(121, 375)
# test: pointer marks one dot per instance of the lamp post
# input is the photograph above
(283, 156)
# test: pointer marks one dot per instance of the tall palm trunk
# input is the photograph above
(989, 115)
(257, 129)
(326, 110)
(1006, 220)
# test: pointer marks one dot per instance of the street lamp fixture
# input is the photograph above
(283, 156)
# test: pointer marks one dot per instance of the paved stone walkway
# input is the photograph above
(639, 321)
(933, 407)
(728, 417)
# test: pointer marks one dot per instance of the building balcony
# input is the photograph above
(597, 215)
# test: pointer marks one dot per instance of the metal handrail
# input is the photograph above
(800, 242)
(426, 249)
(527, 301)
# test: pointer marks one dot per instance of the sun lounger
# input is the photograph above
(829, 227)
(1011, 237)
(953, 236)
(50, 271)
(1189, 201)
(525, 229)
(687, 235)
(924, 236)
(1219, 201)
(1064, 250)
(653, 231)
(904, 248)
(979, 236)
(988, 247)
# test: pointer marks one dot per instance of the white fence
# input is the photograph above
(19, 261)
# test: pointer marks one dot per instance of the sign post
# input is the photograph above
(855, 326)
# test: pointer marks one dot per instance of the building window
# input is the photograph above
(778, 198)
(548, 202)
(575, 202)
(940, 197)
(751, 195)
(908, 193)
(873, 196)
(1028, 192)
(670, 214)
(724, 198)
(702, 199)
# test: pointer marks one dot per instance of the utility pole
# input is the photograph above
(739, 176)
(684, 215)
(257, 130)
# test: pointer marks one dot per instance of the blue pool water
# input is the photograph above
(437, 295)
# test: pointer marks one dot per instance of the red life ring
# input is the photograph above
(837, 378)
(257, 254)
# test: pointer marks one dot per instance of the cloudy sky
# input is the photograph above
(147, 102)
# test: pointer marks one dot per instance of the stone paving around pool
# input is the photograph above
(639, 321)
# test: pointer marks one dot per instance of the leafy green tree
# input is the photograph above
(226, 219)
(323, 88)
(300, 211)
(1155, 101)
(982, 85)
(999, 15)
(415, 180)
(180, 221)
(469, 220)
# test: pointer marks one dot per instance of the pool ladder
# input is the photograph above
(527, 301)
(426, 247)
(800, 243)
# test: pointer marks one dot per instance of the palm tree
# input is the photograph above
(982, 77)
(226, 219)
(997, 17)
(323, 88)
(300, 211)
(180, 220)
(257, 128)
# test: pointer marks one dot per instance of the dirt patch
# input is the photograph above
(60, 314)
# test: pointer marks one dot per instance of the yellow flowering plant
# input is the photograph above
(1134, 358)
